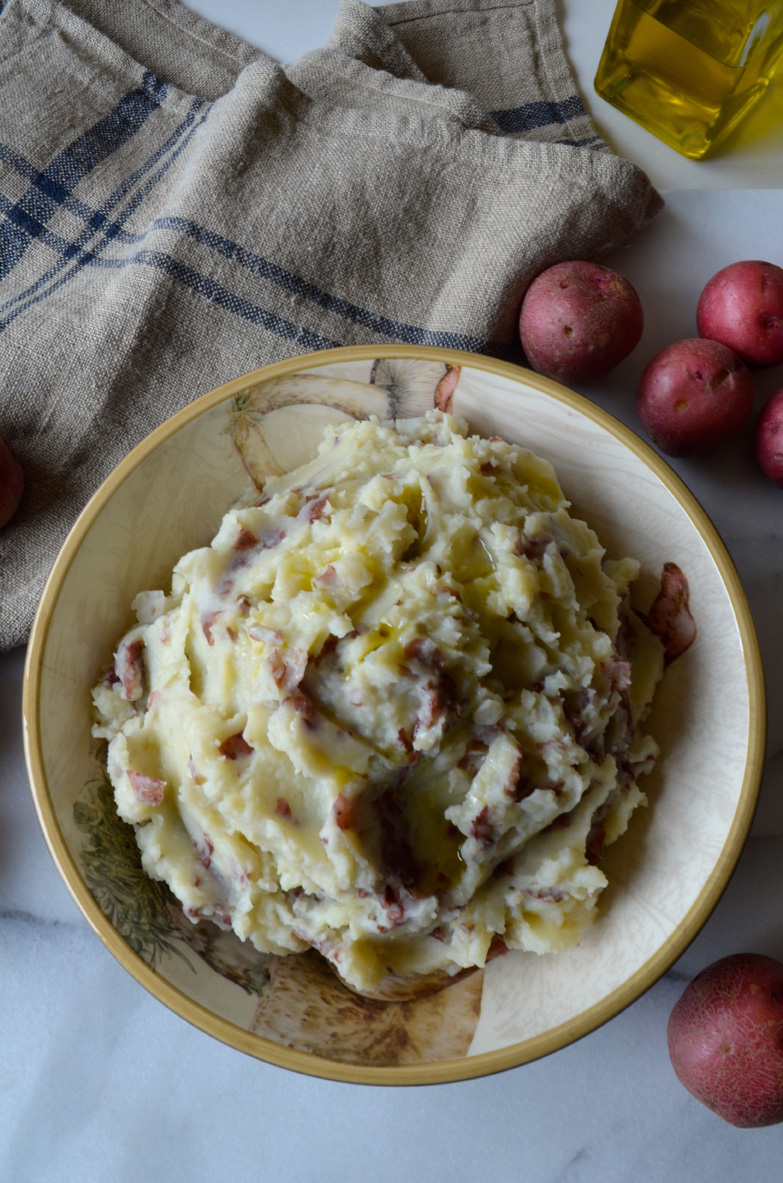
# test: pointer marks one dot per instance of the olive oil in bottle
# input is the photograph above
(689, 70)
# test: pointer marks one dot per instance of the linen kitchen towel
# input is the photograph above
(177, 209)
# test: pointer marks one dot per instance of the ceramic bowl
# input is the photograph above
(665, 875)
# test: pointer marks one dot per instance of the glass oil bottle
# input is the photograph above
(689, 70)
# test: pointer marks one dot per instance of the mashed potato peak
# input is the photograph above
(391, 712)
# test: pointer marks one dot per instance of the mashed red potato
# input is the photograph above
(391, 712)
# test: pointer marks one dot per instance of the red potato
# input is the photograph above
(742, 307)
(11, 482)
(726, 1039)
(578, 321)
(693, 395)
(769, 439)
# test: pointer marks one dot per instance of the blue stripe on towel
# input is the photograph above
(51, 188)
(81, 255)
(216, 293)
(25, 169)
(95, 219)
(590, 142)
(239, 306)
(539, 114)
(296, 285)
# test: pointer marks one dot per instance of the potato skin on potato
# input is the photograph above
(578, 321)
(693, 395)
(725, 1038)
(742, 307)
(769, 439)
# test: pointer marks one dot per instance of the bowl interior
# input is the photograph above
(665, 874)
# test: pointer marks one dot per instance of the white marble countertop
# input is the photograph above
(99, 1081)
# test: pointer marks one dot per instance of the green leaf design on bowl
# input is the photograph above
(139, 907)
(144, 911)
